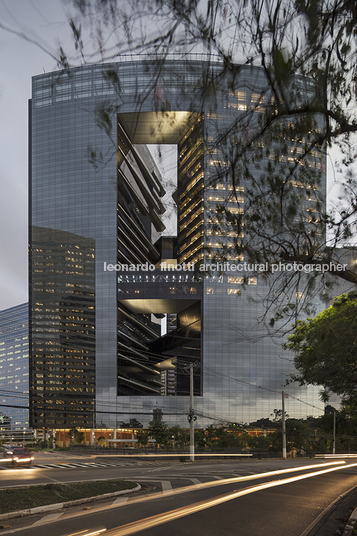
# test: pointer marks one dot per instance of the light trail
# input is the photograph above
(184, 511)
(190, 489)
(241, 455)
(225, 481)
(95, 533)
(335, 456)
(215, 483)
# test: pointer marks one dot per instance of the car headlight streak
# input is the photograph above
(172, 515)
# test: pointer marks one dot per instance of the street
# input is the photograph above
(255, 497)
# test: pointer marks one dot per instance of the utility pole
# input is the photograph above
(283, 426)
(191, 414)
(191, 418)
(334, 433)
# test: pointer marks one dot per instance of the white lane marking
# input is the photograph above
(62, 465)
(166, 487)
(120, 500)
(77, 464)
(47, 519)
(186, 489)
(161, 469)
(195, 481)
(171, 515)
(165, 484)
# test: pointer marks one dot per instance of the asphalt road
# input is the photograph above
(63, 467)
(209, 506)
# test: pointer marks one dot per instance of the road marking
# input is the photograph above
(204, 485)
(74, 465)
(47, 519)
(195, 481)
(120, 500)
(165, 484)
(161, 469)
(171, 515)
(166, 487)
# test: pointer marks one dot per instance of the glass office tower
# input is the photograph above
(97, 351)
(14, 368)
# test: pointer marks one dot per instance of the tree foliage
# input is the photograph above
(142, 438)
(325, 349)
(276, 149)
(133, 423)
(310, 435)
(178, 436)
(101, 441)
(159, 431)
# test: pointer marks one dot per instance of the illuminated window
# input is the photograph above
(236, 210)
(236, 280)
(258, 102)
(238, 100)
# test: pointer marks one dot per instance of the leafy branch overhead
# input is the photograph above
(273, 153)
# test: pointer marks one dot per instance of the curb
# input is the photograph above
(60, 506)
(350, 523)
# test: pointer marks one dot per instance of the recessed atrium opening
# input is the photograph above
(159, 311)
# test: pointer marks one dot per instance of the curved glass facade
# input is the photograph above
(96, 349)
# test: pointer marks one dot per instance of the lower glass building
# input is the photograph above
(14, 368)
(112, 333)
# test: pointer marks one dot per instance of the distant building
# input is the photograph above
(14, 368)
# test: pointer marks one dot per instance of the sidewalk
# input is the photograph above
(350, 524)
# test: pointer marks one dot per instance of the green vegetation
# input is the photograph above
(159, 431)
(304, 436)
(133, 423)
(13, 499)
(142, 437)
(326, 352)
(101, 441)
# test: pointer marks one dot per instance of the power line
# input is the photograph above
(278, 393)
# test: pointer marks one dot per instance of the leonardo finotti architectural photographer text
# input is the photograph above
(223, 267)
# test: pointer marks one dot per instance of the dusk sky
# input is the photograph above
(44, 22)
